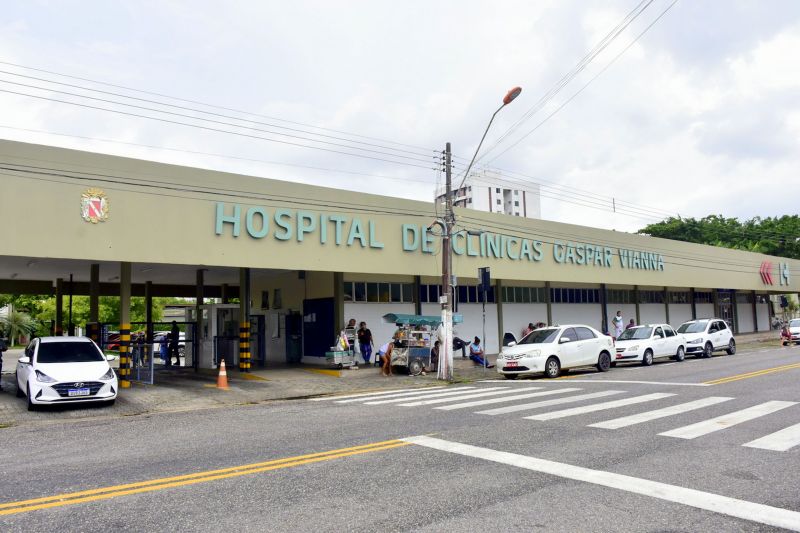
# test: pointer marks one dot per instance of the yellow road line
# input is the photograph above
(325, 371)
(754, 374)
(190, 479)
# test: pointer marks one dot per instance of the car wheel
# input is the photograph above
(647, 358)
(708, 350)
(510, 376)
(681, 355)
(552, 368)
(31, 405)
(20, 394)
(731, 347)
(604, 362)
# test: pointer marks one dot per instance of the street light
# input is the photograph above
(445, 370)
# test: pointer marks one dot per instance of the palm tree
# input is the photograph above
(18, 323)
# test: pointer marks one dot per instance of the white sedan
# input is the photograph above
(57, 370)
(553, 349)
(646, 343)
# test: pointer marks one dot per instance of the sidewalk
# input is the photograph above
(181, 389)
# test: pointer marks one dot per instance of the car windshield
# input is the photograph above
(794, 323)
(635, 333)
(68, 352)
(540, 336)
(693, 327)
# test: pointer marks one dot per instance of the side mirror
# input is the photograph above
(25, 360)
(512, 343)
(111, 357)
(562, 340)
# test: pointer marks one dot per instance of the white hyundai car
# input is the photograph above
(57, 370)
(646, 343)
(794, 330)
(705, 336)
(554, 349)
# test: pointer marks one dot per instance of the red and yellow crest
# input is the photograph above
(94, 206)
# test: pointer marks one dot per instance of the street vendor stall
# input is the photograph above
(414, 338)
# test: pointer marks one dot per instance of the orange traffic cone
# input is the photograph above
(222, 378)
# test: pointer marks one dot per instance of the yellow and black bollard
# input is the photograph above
(124, 356)
(244, 347)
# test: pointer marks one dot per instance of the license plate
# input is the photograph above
(511, 363)
(78, 392)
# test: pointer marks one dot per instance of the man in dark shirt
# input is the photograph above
(365, 342)
(3, 348)
(174, 338)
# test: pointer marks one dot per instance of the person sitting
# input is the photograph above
(477, 355)
(786, 336)
(460, 344)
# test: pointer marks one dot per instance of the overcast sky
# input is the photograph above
(701, 115)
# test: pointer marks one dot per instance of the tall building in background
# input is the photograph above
(488, 191)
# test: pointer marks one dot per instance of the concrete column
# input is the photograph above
(198, 319)
(338, 303)
(59, 329)
(244, 320)
(715, 300)
(124, 325)
(498, 298)
(735, 311)
(224, 294)
(148, 314)
(417, 302)
(604, 307)
(666, 305)
(94, 292)
(636, 298)
(755, 313)
(694, 304)
(549, 303)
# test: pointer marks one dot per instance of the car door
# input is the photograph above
(658, 342)
(588, 346)
(25, 369)
(569, 348)
(672, 341)
(724, 335)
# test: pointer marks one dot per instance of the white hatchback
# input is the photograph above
(707, 335)
(794, 330)
(57, 370)
(553, 349)
(646, 343)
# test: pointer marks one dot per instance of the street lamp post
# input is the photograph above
(445, 370)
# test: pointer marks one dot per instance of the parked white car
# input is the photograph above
(707, 335)
(553, 349)
(65, 370)
(649, 342)
(794, 329)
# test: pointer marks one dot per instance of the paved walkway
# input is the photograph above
(184, 390)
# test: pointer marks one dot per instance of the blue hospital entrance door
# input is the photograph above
(318, 327)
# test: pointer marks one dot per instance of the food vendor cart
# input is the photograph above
(414, 338)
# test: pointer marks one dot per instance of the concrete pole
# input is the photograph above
(694, 304)
(148, 313)
(755, 313)
(417, 302)
(604, 307)
(94, 292)
(549, 301)
(224, 289)
(59, 329)
(636, 298)
(498, 298)
(198, 315)
(666, 305)
(124, 325)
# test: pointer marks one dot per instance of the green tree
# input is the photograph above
(779, 236)
(18, 323)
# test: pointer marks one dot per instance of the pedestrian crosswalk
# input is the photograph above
(540, 404)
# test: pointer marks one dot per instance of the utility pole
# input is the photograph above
(445, 370)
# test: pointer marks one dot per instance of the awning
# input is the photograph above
(419, 320)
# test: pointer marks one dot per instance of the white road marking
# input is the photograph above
(600, 406)
(726, 421)
(373, 393)
(483, 392)
(780, 441)
(383, 396)
(626, 421)
(754, 512)
(671, 384)
(545, 403)
(506, 398)
(452, 392)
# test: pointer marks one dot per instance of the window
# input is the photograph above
(516, 193)
(721, 325)
(703, 297)
(651, 297)
(574, 296)
(396, 292)
(68, 352)
(585, 334)
(408, 292)
(348, 294)
(497, 191)
(659, 332)
(372, 292)
(680, 297)
(744, 297)
(360, 291)
(669, 331)
(499, 202)
(523, 295)
(516, 203)
(617, 296)
(569, 335)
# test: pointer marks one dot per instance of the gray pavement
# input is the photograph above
(417, 488)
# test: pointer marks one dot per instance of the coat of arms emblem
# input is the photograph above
(94, 206)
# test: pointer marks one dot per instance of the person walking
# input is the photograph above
(617, 325)
(365, 342)
(174, 340)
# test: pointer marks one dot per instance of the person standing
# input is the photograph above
(365, 342)
(174, 340)
(435, 356)
(631, 324)
(3, 348)
(617, 324)
(527, 330)
(385, 355)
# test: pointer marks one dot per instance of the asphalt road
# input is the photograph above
(479, 467)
